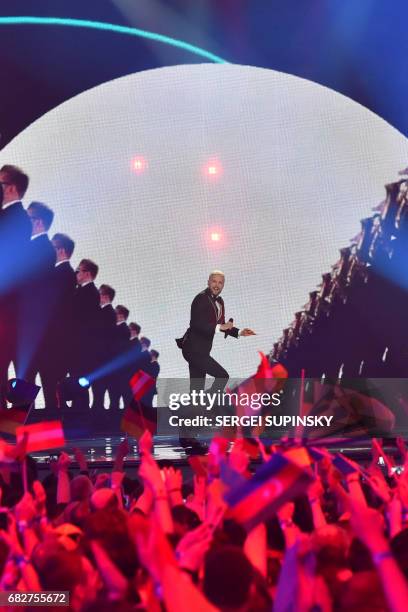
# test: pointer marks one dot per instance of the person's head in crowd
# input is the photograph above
(109, 527)
(232, 583)
(107, 294)
(231, 534)
(81, 488)
(65, 570)
(76, 513)
(104, 499)
(184, 519)
(145, 342)
(86, 272)
(154, 355)
(69, 535)
(122, 313)
(64, 246)
(13, 184)
(135, 330)
(330, 544)
(41, 217)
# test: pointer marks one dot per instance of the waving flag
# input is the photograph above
(11, 418)
(269, 378)
(42, 436)
(140, 383)
(278, 481)
(137, 418)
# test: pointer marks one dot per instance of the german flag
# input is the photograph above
(11, 418)
(137, 418)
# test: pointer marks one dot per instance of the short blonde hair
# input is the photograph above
(216, 272)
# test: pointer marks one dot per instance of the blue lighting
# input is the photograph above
(83, 382)
(111, 27)
(14, 384)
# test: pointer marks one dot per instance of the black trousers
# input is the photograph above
(201, 364)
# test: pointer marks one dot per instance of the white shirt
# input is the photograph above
(85, 284)
(37, 235)
(10, 204)
(217, 327)
(61, 262)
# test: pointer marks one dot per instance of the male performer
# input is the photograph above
(36, 309)
(60, 340)
(119, 379)
(15, 232)
(134, 341)
(85, 325)
(153, 369)
(207, 317)
(105, 341)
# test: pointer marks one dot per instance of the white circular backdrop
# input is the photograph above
(301, 165)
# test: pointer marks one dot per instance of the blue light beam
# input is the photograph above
(112, 27)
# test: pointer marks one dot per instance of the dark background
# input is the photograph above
(356, 47)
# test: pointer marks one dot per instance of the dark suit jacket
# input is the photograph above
(64, 286)
(203, 321)
(85, 313)
(15, 232)
(106, 332)
(42, 258)
(121, 338)
(135, 346)
(36, 305)
(63, 290)
(153, 369)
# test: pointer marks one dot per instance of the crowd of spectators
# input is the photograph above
(164, 539)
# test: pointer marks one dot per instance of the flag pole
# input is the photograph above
(25, 480)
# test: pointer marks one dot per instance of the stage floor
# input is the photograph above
(99, 439)
(101, 449)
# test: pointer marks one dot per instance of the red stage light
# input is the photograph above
(139, 165)
(215, 237)
(213, 168)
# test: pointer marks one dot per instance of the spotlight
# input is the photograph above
(213, 169)
(214, 237)
(83, 382)
(19, 392)
(139, 165)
